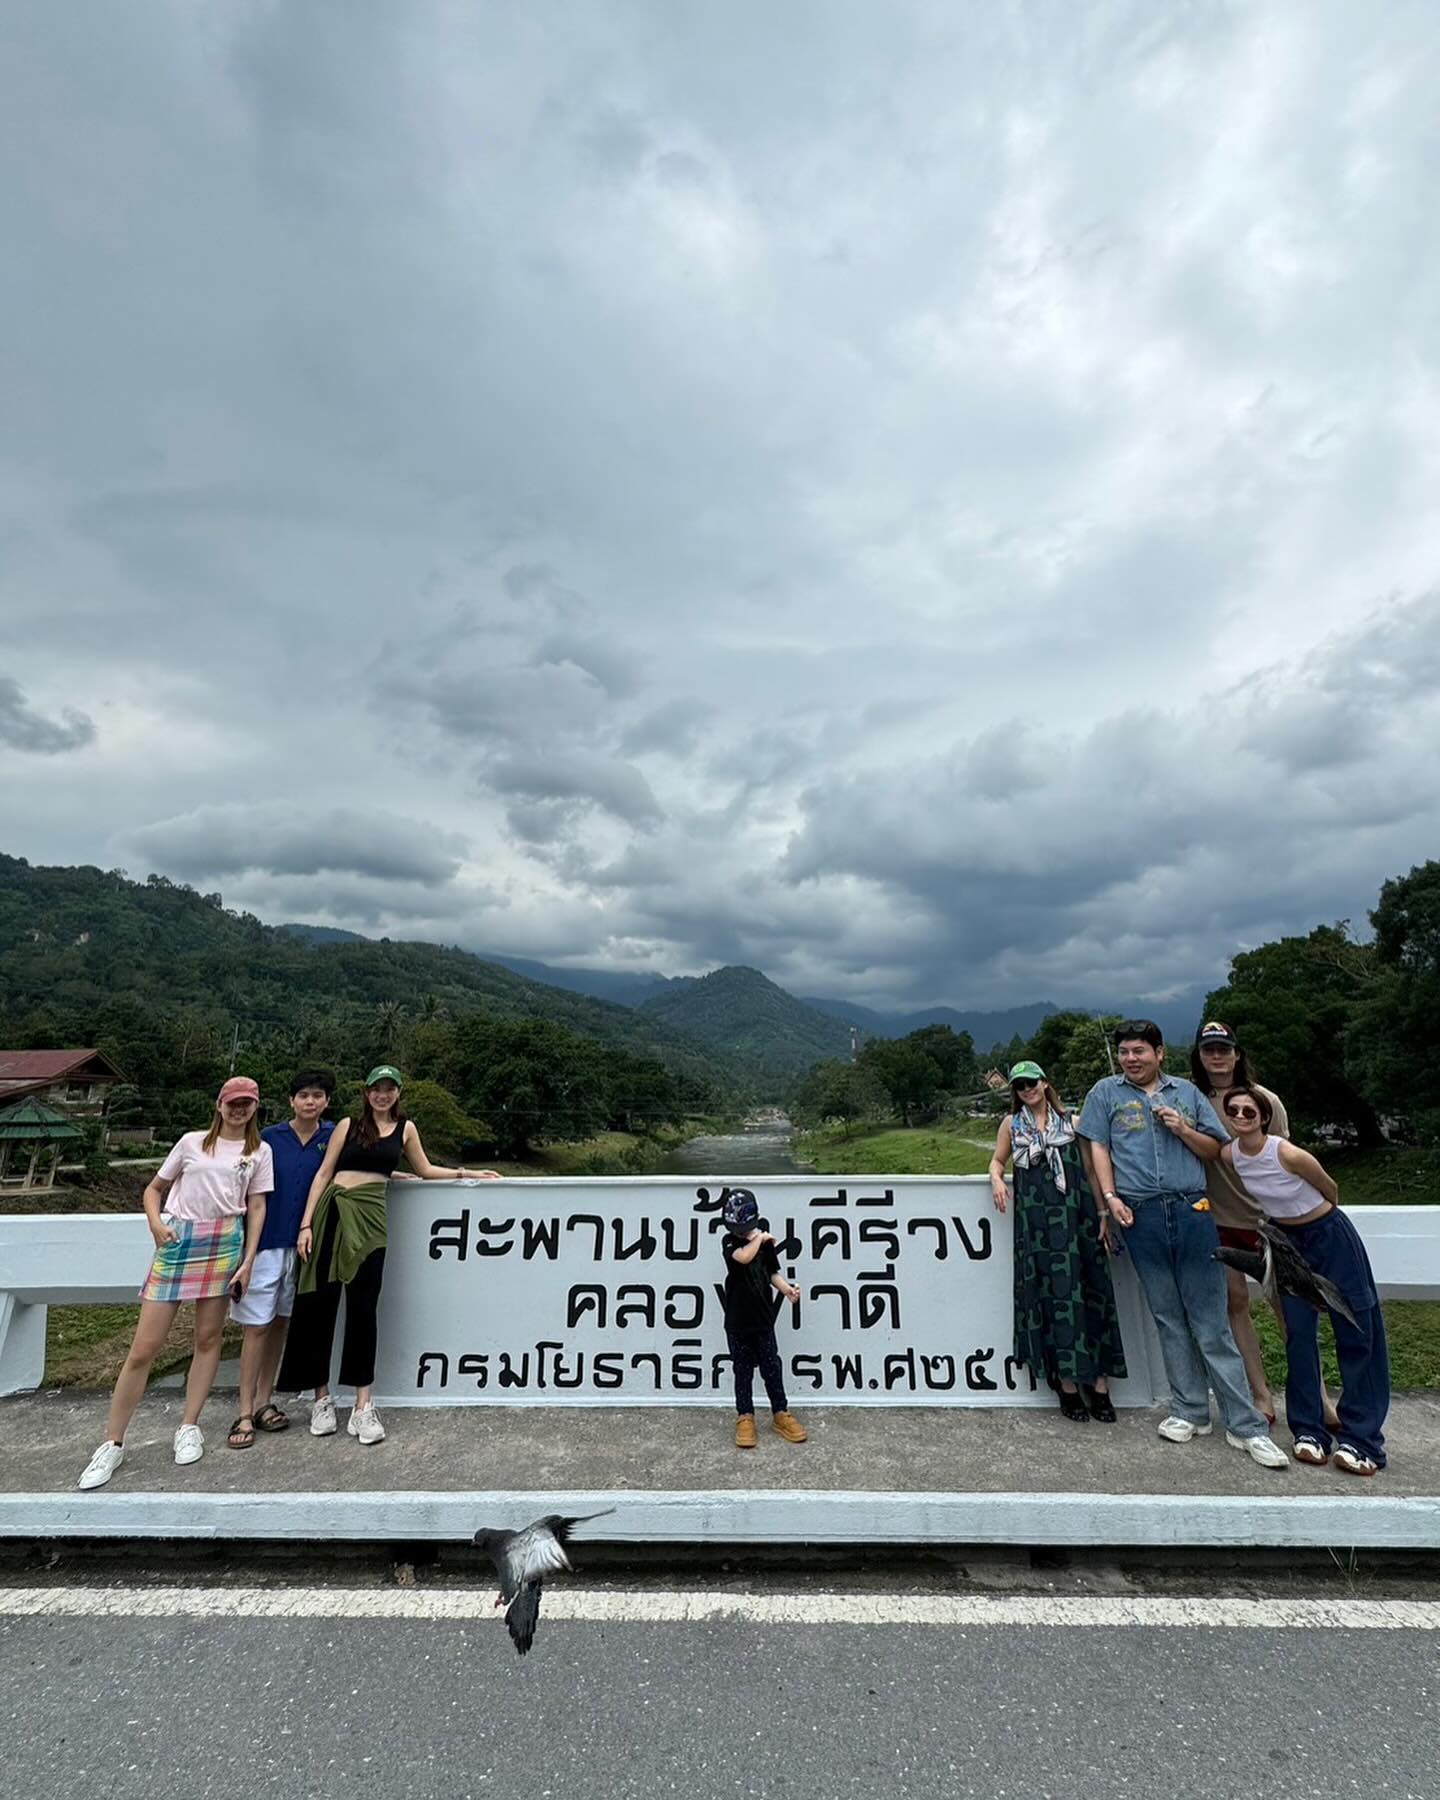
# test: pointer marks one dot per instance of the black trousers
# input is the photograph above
(749, 1354)
(309, 1346)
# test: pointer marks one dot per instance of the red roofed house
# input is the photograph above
(77, 1080)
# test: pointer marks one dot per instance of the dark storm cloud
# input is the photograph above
(22, 728)
(756, 479)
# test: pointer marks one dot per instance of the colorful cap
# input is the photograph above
(238, 1087)
(384, 1072)
(741, 1209)
(1213, 1032)
(1027, 1071)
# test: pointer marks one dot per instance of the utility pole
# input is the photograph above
(234, 1046)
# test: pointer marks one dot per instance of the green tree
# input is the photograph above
(911, 1079)
(445, 1127)
(1292, 1004)
(535, 1083)
(842, 1091)
(1393, 1042)
(952, 1052)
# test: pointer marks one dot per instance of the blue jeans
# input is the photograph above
(1173, 1249)
(1332, 1247)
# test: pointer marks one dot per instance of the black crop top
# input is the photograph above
(380, 1158)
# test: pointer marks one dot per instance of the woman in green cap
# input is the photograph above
(342, 1249)
(1066, 1330)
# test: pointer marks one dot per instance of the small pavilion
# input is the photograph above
(32, 1137)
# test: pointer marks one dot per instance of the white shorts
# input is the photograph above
(271, 1293)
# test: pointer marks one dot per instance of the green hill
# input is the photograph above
(745, 1016)
(90, 957)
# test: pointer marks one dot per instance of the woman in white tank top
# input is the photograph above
(1302, 1199)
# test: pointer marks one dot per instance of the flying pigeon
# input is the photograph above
(522, 1560)
(1280, 1269)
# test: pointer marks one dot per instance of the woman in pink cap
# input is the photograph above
(205, 1209)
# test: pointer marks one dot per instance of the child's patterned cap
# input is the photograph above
(741, 1209)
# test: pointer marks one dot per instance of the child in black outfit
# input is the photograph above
(752, 1269)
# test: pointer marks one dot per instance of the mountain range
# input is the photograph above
(715, 1010)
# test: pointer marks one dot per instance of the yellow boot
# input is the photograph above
(789, 1428)
(745, 1432)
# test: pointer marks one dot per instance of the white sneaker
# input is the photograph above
(1180, 1431)
(102, 1465)
(189, 1444)
(364, 1423)
(322, 1417)
(1264, 1450)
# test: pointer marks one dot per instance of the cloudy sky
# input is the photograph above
(935, 500)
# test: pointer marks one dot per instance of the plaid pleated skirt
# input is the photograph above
(200, 1264)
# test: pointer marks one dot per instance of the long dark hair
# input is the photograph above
(365, 1129)
(1017, 1105)
(1200, 1075)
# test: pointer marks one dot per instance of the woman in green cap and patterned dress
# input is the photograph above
(1066, 1329)
(342, 1249)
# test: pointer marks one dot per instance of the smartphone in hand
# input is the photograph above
(237, 1289)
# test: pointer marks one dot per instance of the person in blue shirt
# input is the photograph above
(1152, 1136)
(298, 1147)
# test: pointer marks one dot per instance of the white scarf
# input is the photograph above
(1031, 1146)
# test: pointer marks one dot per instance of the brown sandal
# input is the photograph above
(240, 1435)
(270, 1418)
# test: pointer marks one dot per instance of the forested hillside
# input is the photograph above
(166, 980)
(747, 1018)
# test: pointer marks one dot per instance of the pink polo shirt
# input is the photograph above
(216, 1186)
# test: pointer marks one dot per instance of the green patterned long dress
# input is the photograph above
(1065, 1323)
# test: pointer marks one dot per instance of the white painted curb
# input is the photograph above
(1368, 1519)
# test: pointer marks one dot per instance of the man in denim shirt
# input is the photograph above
(1152, 1135)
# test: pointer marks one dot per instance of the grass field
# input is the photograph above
(892, 1150)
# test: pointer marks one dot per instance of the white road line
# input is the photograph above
(622, 1608)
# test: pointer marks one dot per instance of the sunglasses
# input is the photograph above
(1025, 1083)
(1242, 1112)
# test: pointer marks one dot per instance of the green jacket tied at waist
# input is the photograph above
(359, 1232)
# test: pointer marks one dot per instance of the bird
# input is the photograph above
(522, 1560)
(1280, 1269)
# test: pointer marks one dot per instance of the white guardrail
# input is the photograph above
(606, 1291)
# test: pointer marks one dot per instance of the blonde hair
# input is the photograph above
(252, 1133)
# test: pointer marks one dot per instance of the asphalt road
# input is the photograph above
(131, 1706)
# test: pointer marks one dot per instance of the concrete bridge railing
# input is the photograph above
(604, 1291)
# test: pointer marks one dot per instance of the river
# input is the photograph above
(761, 1147)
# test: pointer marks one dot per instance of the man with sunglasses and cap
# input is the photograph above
(752, 1271)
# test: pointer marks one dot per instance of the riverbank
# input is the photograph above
(940, 1149)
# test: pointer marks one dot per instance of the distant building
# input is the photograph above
(32, 1138)
(77, 1080)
